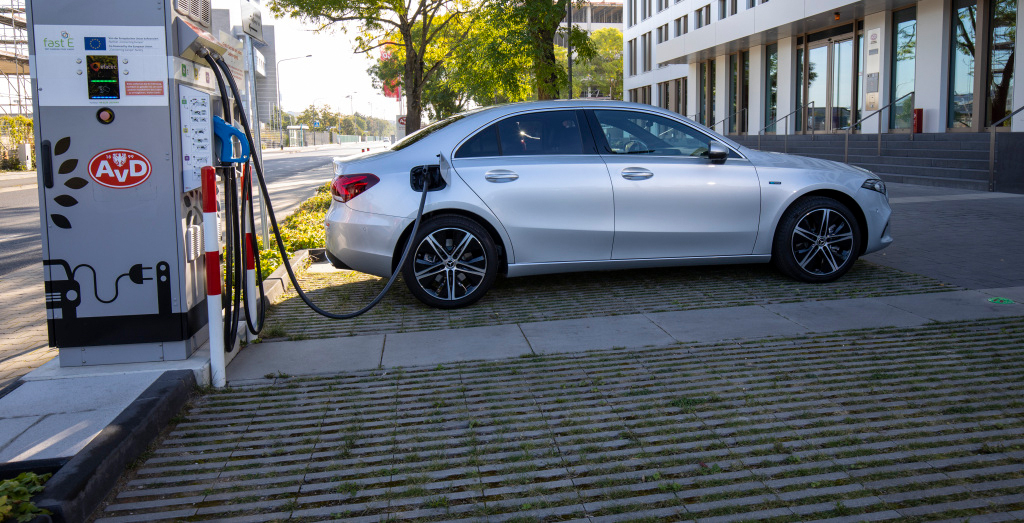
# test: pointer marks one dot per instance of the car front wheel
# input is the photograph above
(817, 240)
(452, 264)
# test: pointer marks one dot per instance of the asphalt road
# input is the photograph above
(291, 178)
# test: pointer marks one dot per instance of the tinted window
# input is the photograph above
(550, 132)
(484, 143)
(641, 133)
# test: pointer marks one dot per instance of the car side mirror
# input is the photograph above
(717, 152)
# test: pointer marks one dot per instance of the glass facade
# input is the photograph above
(734, 85)
(1002, 36)
(771, 87)
(961, 64)
(904, 54)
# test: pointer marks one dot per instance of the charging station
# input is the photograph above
(124, 124)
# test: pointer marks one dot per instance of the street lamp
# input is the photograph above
(277, 76)
(350, 109)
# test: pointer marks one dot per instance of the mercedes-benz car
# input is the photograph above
(565, 186)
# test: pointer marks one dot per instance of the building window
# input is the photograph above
(663, 33)
(904, 51)
(679, 89)
(631, 49)
(706, 93)
(686, 24)
(662, 5)
(771, 87)
(648, 55)
(677, 25)
(632, 12)
(647, 9)
(1002, 44)
(733, 7)
(663, 95)
(702, 17)
(751, 4)
(739, 86)
(722, 13)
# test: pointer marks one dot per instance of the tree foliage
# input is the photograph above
(601, 76)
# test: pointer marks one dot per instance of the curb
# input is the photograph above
(78, 488)
(278, 282)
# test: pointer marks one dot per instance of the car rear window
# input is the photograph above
(428, 130)
(482, 144)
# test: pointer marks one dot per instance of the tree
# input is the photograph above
(380, 21)
(602, 74)
(533, 26)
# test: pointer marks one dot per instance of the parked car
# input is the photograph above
(565, 186)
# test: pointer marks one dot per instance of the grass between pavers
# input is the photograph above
(917, 424)
(572, 296)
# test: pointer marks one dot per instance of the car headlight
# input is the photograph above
(875, 185)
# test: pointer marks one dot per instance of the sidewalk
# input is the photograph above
(861, 340)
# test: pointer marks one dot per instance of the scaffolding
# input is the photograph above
(15, 91)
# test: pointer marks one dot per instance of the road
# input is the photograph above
(291, 178)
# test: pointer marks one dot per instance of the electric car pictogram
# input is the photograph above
(569, 186)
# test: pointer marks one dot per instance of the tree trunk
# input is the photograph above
(544, 64)
(413, 79)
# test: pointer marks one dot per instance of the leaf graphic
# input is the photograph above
(68, 166)
(60, 221)
(65, 200)
(62, 145)
(76, 182)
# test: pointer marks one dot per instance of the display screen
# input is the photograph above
(103, 83)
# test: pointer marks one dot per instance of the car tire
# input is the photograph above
(817, 240)
(453, 262)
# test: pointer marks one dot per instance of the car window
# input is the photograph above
(630, 132)
(483, 143)
(547, 132)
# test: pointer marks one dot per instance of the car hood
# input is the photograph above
(792, 161)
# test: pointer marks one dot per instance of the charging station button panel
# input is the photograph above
(103, 80)
(196, 135)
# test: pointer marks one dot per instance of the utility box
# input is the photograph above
(123, 124)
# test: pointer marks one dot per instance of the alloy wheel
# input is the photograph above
(822, 242)
(450, 263)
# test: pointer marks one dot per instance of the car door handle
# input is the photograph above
(501, 176)
(636, 173)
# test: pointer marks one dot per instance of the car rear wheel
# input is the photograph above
(817, 240)
(453, 262)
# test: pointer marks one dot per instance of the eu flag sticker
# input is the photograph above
(96, 43)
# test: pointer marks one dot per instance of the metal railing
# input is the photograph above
(785, 144)
(992, 147)
(849, 129)
(728, 118)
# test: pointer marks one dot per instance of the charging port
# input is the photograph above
(430, 173)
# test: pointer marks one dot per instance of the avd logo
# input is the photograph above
(120, 168)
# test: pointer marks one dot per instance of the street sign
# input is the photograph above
(316, 124)
(252, 21)
(400, 126)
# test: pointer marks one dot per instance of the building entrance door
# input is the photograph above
(828, 82)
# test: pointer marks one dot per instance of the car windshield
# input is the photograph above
(427, 131)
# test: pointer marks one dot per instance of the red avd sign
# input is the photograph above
(120, 168)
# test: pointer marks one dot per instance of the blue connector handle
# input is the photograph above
(224, 131)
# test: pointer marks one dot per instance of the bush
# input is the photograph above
(16, 495)
(304, 229)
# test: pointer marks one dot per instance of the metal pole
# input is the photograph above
(992, 159)
(785, 135)
(879, 125)
(568, 45)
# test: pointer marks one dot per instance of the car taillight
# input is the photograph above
(348, 186)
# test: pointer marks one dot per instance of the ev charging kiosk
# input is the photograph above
(124, 113)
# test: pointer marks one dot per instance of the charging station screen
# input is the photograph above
(103, 81)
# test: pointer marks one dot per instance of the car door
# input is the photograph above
(671, 201)
(541, 176)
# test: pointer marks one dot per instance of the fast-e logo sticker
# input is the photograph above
(120, 168)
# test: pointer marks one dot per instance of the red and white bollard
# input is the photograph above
(211, 242)
(250, 255)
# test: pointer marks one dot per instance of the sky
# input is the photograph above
(332, 73)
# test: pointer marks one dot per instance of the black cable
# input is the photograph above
(277, 233)
(261, 307)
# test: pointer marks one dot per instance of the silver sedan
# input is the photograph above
(565, 186)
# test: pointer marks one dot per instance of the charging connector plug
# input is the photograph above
(136, 274)
(429, 173)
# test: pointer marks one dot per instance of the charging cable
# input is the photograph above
(219, 62)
